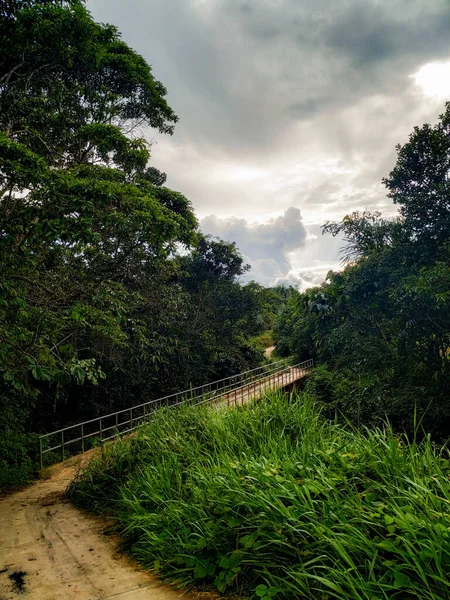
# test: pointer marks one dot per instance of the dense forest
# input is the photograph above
(380, 328)
(109, 293)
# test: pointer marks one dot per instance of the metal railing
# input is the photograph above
(233, 390)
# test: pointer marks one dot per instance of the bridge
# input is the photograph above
(230, 391)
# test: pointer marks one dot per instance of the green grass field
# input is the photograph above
(272, 501)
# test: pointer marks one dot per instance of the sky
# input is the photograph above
(289, 112)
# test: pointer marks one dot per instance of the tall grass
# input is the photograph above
(271, 500)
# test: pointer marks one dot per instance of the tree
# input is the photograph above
(84, 223)
(99, 309)
(70, 87)
(420, 181)
(220, 311)
(365, 233)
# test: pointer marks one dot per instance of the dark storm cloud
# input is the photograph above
(369, 33)
(326, 54)
(285, 103)
(237, 72)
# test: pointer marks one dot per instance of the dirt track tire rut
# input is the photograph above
(49, 550)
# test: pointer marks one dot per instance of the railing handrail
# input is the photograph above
(183, 392)
(210, 395)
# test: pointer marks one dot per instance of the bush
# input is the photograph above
(271, 500)
(346, 395)
(18, 458)
(371, 400)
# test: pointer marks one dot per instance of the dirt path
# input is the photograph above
(268, 351)
(49, 550)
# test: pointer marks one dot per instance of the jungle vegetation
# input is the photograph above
(380, 327)
(109, 293)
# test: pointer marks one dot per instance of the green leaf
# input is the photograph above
(401, 580)
(391, 528)
(200, 572)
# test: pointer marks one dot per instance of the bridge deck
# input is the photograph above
(256, 389)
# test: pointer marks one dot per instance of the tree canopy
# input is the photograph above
(109, 294)
(381, 326)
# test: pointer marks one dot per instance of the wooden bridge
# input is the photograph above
(231, 391)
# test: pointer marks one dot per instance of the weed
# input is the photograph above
(271, 500)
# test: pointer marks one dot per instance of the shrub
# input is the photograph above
(272, 500)
(18, 458)
(368, 399)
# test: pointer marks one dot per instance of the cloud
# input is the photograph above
(267, 246)
(281, 251)
(285, 104)
(239, 72)
(265, 271)
(308, 277)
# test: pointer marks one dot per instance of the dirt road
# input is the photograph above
(49, 550)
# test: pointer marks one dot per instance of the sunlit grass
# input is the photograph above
(271, 500)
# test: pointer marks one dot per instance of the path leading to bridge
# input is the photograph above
(268, 351)
(49, 550)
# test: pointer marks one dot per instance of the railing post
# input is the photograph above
(100, 431)
(82, 438)
(131, 418)
(40, 454)
(62, 444)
